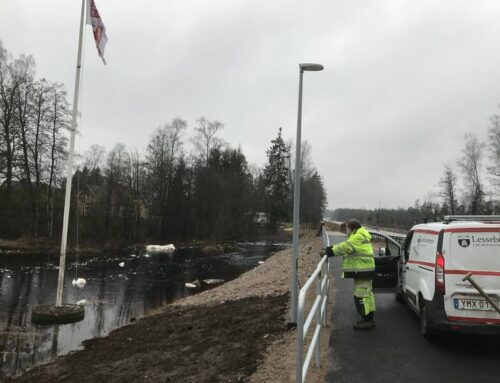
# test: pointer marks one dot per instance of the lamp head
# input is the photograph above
(310, 67)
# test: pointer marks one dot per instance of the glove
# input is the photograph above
(322, 253)
(329, 252)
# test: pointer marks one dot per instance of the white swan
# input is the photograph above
(80, 283)
(193, 285)
(170, 248)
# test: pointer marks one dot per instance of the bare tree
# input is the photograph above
(494, 149)
(163, 150)
(23, 99)
(3, 162)
(205, 139)
(34, 106)
(12, 76)
(448, 185)
(58, 123)
(41, 115)
(116, 176)
(22, 70)
(306, 164)
(255, 171)
(470, 164)
(136, 180)
(94, 157)
(174, 133)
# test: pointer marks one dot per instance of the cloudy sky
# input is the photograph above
(404, 80)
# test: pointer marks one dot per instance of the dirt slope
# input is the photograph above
(233, 333)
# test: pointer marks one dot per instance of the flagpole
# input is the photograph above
(69, 169)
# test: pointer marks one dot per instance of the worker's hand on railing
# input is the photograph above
(328, 251)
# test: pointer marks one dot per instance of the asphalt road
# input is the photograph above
(396, 352)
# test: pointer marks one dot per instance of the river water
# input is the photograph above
(115, 295)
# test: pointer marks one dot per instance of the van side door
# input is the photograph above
(405, 257)
(411, 269)
(387, 253)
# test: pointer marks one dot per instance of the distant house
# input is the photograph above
(260, 218)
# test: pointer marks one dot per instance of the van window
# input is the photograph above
(392, 249)
(406, 246)
(380, 242)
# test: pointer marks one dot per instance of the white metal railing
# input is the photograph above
(318, 311)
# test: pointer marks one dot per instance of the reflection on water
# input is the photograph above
(115, 295)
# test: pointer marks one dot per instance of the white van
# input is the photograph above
(431, 267)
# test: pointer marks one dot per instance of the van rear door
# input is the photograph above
(473, 250)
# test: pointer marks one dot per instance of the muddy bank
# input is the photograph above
(232, 333)
(32, 246)
(206, 343)
(25, 246)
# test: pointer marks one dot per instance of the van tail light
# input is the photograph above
(439, 273)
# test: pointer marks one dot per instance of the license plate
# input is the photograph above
(477, 304)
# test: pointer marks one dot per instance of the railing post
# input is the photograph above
(318, 320)
(300, 339)
(327, 293)
(326, 242)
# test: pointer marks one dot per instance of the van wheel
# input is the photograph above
(398, 295)
(425, 328)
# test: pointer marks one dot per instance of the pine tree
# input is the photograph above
(313, 198)
(277, 181)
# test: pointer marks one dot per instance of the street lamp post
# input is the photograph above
(296, 191)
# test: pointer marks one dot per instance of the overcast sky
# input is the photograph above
(403, 80)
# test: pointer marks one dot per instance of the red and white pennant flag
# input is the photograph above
(98, 28)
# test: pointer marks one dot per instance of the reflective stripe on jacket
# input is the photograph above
(357, 252)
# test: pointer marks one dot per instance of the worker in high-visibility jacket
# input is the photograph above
(358, 263)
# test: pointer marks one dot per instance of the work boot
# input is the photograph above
(360, 307)
(363, 324)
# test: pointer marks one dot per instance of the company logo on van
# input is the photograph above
(479, 240)
(464, 241)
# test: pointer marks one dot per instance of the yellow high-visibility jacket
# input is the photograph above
(357, 251)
